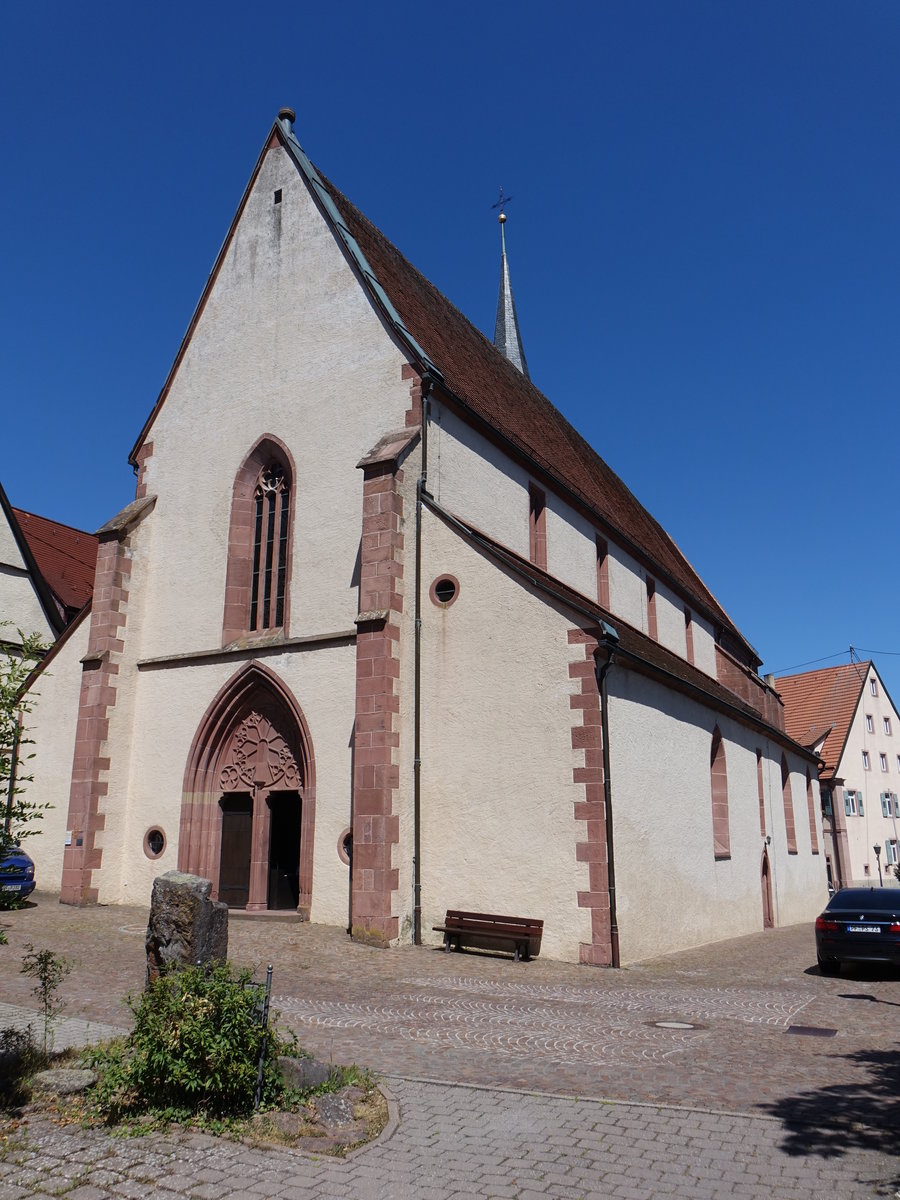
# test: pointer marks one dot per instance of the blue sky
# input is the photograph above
(704, 243)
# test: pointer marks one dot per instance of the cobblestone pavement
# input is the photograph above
(452, 1142)
(709, 1028)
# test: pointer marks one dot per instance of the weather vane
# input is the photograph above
(500, 203)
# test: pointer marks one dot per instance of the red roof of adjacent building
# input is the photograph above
(66, 558)
(817, 700)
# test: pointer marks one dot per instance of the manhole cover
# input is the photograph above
(811, 1030)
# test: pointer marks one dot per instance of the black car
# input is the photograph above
(859, 925)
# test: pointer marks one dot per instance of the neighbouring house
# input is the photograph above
(382, 635)
(846, 716)
(46, 573)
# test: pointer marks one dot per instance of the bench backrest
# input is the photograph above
(458, 919)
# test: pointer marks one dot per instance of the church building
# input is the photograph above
(381, 635)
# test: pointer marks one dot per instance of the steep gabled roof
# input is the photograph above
(479, 375)
(66, 557)
(480, 379)
(816, 700)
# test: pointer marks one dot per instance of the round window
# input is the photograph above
(444, 591)
(154, 842)
(345, 846)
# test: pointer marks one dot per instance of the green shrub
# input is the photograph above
(194, 1050)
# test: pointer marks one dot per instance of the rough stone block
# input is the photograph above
(185, 925)
(303, 1073)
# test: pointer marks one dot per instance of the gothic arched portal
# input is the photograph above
(248, 806)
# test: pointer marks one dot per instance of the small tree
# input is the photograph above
(17, 661)
(49, 969)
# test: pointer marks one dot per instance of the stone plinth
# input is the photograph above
(185, 925)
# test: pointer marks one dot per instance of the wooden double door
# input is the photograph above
(277, 827)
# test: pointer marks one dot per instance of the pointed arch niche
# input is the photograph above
(248, 805)
(260, 541)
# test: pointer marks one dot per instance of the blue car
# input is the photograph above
(16, 873)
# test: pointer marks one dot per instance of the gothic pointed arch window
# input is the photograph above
(257, 580)
(718, 781)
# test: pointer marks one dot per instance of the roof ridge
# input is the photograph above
(588, 455)
(51, 520)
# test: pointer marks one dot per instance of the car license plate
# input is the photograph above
(11, 887)
(864, 929)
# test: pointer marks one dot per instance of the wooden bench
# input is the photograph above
(486, 931)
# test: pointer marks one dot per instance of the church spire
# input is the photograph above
(507, 338)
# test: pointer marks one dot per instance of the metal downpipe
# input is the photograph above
(417, 685)
(609, 644)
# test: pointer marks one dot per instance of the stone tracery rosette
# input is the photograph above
(259, 757)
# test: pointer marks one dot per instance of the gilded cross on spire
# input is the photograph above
(507, 338)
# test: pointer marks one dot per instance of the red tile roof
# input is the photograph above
(817, 699)
(66, 558)
(484, 379)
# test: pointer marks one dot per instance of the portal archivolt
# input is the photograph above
(248, 808)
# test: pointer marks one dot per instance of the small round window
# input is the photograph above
(154, 843)
(345, 846)
(444, 590)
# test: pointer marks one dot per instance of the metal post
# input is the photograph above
(265, 1025)
(877, 849)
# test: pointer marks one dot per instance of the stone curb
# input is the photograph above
(607, 1100)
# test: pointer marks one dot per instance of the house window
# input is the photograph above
(891, 853)
(886, 804)
(882, 759)
(810, 804)
(850, 803)
(651, 608)
(258, 571)
(689, 635)
(759, 789)
(718, 778)
(886, 722)
(787, 798)
(537, 527)
(873, 686)
(826, 797)
(603, 573)
(870, 725)
(865, 758)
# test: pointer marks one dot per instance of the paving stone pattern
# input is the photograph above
(444, 1025)
(451, 1142)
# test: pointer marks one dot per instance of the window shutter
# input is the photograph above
(859, 806)
(897, 806)
(847, 808)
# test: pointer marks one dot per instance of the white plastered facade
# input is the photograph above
(20, 607)
(870, 784)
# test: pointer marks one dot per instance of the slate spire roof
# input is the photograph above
(507, 337)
